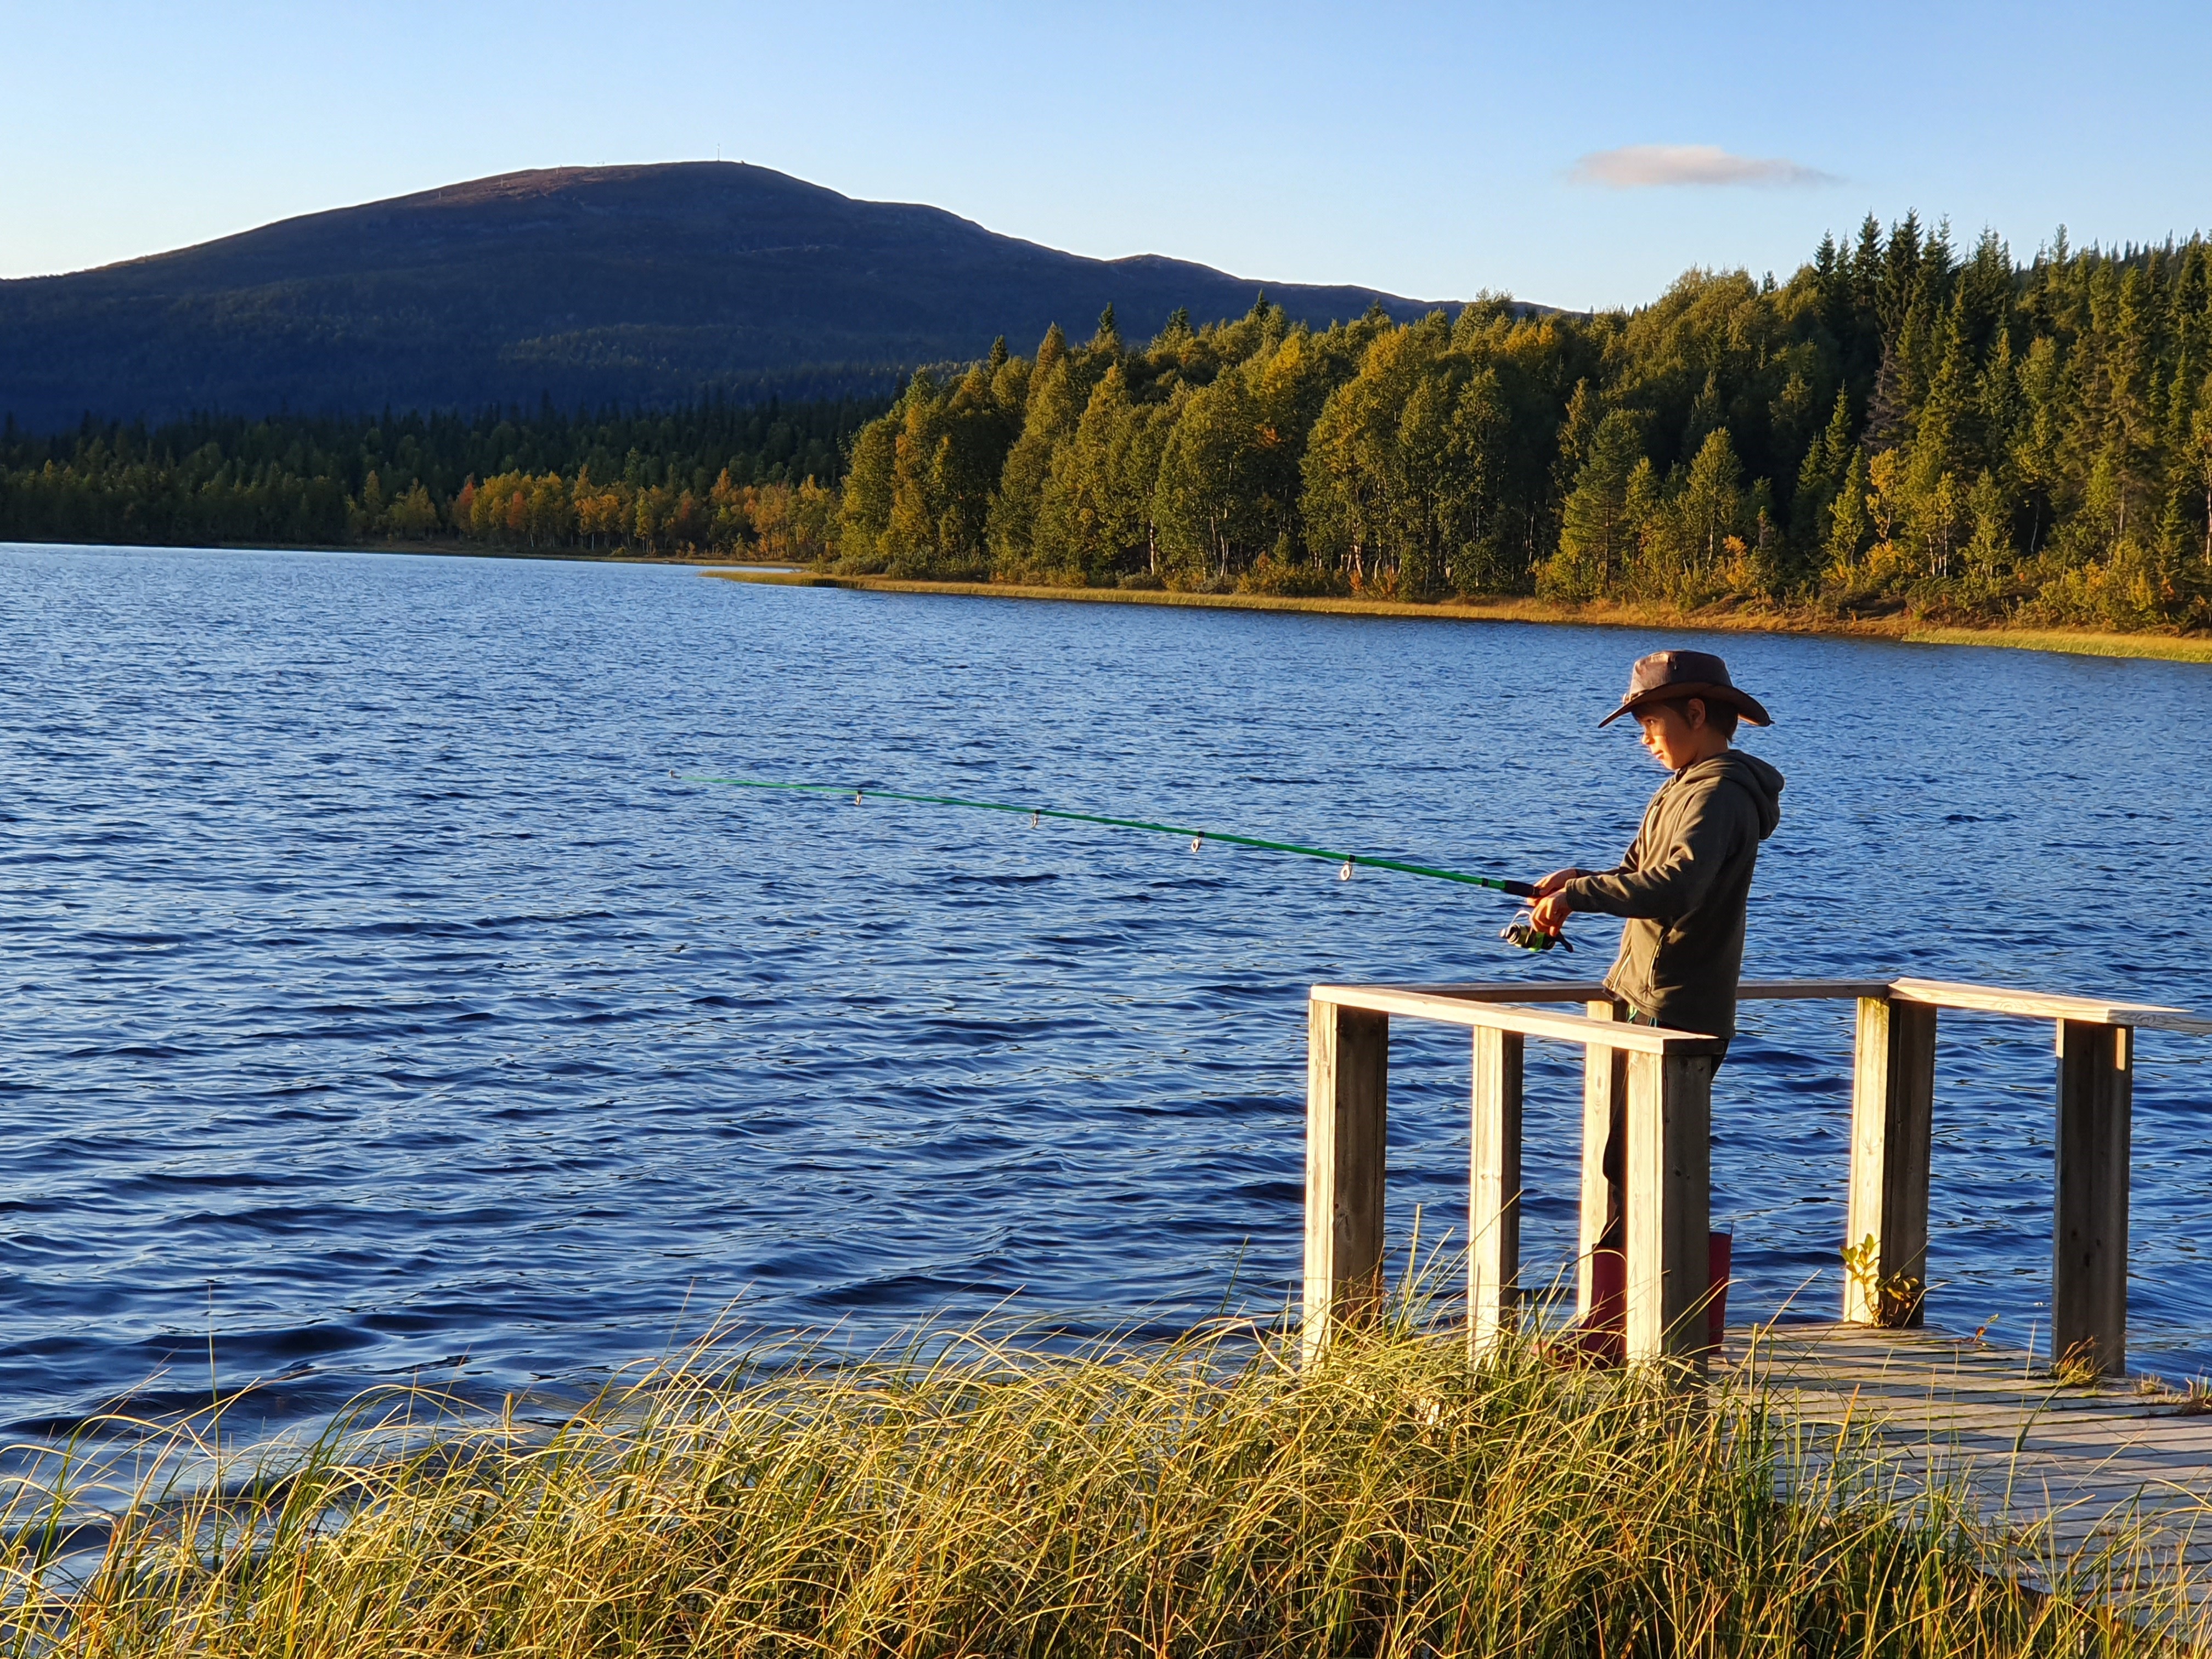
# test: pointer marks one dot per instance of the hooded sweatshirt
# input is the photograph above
(1683, 887)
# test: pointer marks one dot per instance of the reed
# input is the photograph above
(969, 1496)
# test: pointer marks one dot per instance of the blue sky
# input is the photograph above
(1581, 154)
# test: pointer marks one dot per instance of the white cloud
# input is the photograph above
(1643, 167)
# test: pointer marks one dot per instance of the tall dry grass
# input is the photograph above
(1202, 1498)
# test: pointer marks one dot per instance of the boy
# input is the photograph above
(1683, 888)
(1685, 882)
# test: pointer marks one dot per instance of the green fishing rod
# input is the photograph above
(1528, 938)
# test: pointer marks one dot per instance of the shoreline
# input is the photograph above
(426, 549)
(1734, 619)
(2160, 647)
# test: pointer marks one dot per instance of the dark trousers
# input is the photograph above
(1615, 1163)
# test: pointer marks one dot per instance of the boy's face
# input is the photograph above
(1675, 742)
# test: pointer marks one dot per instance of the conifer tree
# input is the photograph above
(1048, 416)
(1479, 463)
(1598, 535)
(1851, 524)
(1710, 509)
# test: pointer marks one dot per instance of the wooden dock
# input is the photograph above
(2098, 1482)
(2067, 1454)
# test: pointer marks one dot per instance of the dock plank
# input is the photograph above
(2120, 1468)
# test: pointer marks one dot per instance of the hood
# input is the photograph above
(1753, 775)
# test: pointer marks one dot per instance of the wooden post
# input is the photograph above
(1893, 1122)
(1493, 1266)
(1669, 1200)
(1348, 1066)
(1605, 1104)
(2089, 1244)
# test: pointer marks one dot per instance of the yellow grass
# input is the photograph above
(2167, 647)
(1732, 619)
(967, 1499)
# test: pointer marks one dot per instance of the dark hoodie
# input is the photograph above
(1683, 886)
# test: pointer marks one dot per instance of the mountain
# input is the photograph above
(638, 285)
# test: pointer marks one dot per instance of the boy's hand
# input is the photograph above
(1550, 912)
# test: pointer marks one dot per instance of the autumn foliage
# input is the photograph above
(1896, 429)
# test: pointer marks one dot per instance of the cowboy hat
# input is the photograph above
(1671, 676)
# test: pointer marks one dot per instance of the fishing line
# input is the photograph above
(1345, 862)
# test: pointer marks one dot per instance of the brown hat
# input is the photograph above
(1671, 676)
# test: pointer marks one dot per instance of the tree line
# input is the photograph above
(1898, 425)
(716, 477)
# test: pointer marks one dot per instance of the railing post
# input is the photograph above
(2089, 1242)
(1605, 1105)
(1493, 1265)
(1348, 1066)
(1669, 1201)
(1893, 1122)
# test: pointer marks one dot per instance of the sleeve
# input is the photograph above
(1679, 871)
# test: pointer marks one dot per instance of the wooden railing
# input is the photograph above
(1659, 1082)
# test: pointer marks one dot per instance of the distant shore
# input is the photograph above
(1720, 619)
(1733, 619)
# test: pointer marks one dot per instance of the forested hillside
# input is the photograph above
(1895, 427)
(634, 286)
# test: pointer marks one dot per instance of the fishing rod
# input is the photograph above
(1520, 932)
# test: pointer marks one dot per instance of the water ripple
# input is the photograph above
(380, 1008)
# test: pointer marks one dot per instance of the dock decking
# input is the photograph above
(2117, 1467)
(2064, 1467)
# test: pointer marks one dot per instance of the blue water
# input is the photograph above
(377, 1006)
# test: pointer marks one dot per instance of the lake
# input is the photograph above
(379, 1007)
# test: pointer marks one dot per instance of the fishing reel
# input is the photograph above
(1523, 932)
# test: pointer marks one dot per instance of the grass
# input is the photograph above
(1201, 1498)
(1729, 619)
(2170, 648)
